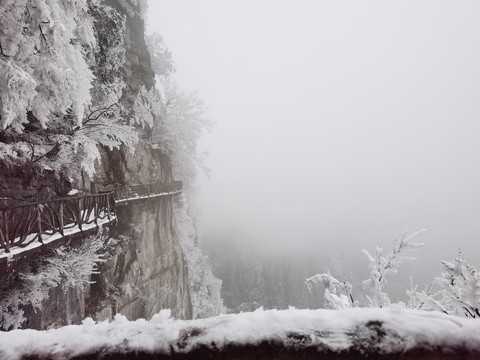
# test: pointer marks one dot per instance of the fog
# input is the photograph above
(339, 124)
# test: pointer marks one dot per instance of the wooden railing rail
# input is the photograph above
(21, 225)
(147, 190)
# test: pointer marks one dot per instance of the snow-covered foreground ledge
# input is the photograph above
(343, 334)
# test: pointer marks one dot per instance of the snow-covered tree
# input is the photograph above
(162, 62)
(64, 97)
(337, 294)
(109, 56)
(381, 266)
(456, 291)
(181, 125)
(182, 120)
(43, 49)
(147, 105)
(179, 120)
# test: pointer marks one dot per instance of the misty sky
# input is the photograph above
(340, 124)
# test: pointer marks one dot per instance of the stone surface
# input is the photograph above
(122, 167)
(145, 270)
(27, 184)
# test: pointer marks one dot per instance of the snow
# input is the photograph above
(335, 330)
(150, 196)
(72, 192)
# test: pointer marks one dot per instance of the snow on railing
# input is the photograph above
(21, 225)
(137, 192)
(46, 218)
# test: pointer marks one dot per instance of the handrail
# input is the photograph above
(18, 223)
(52, 216)
(147, 190)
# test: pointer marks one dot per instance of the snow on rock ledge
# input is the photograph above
(285, 334)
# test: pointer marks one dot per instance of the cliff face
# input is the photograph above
(144, 270)
(145, 165)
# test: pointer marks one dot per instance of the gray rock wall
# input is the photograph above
(145, 270)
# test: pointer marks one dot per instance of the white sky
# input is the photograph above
(340, 124)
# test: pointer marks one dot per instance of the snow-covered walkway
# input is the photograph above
(87, 218)
(341, 334)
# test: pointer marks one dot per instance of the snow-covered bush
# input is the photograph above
(381, 266)
(337, 295)
(69, 268)
(456, 291)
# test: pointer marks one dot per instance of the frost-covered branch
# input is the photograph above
(381, 266)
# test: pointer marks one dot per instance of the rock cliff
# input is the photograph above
(143, 269)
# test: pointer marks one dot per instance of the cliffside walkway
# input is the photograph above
(141, 192)
(22, 225)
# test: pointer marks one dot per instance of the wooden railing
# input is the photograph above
(146, 191)
(23, 224)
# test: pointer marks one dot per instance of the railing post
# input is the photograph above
(108, 206)
(95, 204)
(7, 238)
(60, 216)
(39, 222)
(4, 238)
(79, 214)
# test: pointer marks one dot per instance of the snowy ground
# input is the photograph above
(350, 333)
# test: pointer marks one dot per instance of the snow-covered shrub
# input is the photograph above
(456, 291)
(337, 295)
(69, 268)
(254, 301)
(381, 266)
